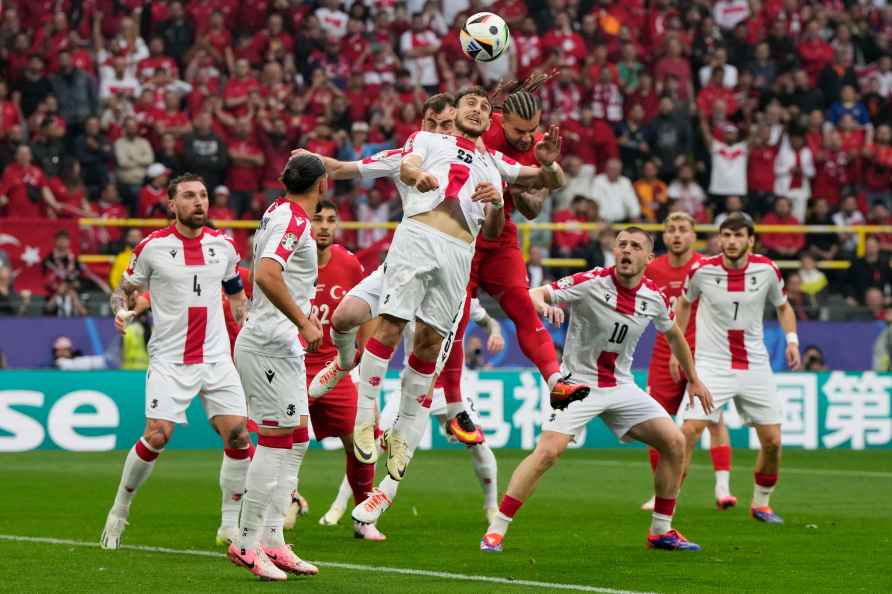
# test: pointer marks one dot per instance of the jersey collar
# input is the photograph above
(296, 209)
(619, 287)
(185, 239)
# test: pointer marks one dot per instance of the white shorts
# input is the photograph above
(438, 404)
(369, 290)
(170, 388)
(426, 276)
(276, 387)
(621, 408)
(753, 390)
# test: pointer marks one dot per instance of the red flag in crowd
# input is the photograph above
(27, 242)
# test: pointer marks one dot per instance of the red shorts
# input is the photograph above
(662, 389)
(497, 268)
(334, 414)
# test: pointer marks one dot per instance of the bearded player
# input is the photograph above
(187, 267)
(333, 415)
(609, 310)
(665, 382)
(498, 266)
(733, 289)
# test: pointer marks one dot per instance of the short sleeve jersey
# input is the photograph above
(606, 322)
(459, 166)
(286, 236)
(670, 280)
(185, 277)
(732, 307)
(342, 273)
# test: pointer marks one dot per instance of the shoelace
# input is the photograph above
(330, 375)
(376, 499)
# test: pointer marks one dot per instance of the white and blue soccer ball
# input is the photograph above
(484, 37)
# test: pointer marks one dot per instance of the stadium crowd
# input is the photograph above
(780, 108)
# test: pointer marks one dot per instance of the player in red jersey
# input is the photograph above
(498, 266)
(665, 382)
(333, 415)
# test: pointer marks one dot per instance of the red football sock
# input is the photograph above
(721, 457)
(766, 480)
(534, 339)
(509, 506)
(654, 456)
(663, 506)
(450, 376)
(360, 476)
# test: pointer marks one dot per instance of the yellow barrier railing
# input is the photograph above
(526, 230)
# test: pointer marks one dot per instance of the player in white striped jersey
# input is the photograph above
(732, 360)
(270, 360)
(609, 310)
(185, 266)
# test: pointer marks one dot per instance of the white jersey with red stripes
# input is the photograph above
(286, 236)
(459, 166)
(732, 309)
(184, 276)
(387, 164)
(606, 322)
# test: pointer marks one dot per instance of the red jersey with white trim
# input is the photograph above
(606, 322)
(495, 140)
(286, 236)
(185, 276)
(732, 308)
(337, 277)
(670, 280)
(459, 166)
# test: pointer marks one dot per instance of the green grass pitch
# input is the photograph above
(583, 527)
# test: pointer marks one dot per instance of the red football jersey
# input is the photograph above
(670, 280)
(494, 139)
(337, 277)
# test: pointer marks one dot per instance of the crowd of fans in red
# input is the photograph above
(777, 107)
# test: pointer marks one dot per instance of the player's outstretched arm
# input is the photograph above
(682, 351)
(787, 318)
(269, 278)
(337, 170)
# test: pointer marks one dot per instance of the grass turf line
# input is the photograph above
(581, 527)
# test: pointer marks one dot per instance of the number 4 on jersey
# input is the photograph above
(196, 288)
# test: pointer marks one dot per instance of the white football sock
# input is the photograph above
(345, 342)
(345, 492)
(453, 408)
(660, 523)
(552, 380)
(722, 483)
(233, 472)
(486, 470)
(499, 524)
(762, 495)
(280, 503)
(263, 477)
(413, 391)
(136, 471)
(389, 487)
(370, 366)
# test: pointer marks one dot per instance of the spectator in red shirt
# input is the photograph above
(878, 166)
(272, 38)
(528, 49)
(782, 246)
(237, 91)
(69, 190)
(760, 170)
(219, 209)
(246, 165)
(153, 195)
(674, 64)
(582, 210)
(814, 52)
(832, 164)
(714, 92)
(24, 191)
(172, 120)
(147, 67)
(562, 36)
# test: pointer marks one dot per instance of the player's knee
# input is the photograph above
(156, 437)
(547, 455)
(691, 432)
(344, 318)
(674, 444)
(237, 438)
(771, 443)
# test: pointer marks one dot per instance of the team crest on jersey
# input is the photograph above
(288, 241)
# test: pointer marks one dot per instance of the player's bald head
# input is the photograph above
(302, 173)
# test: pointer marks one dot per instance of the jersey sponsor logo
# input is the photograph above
(288, 241)
(270, 374)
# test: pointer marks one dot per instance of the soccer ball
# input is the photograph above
(484, 37)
